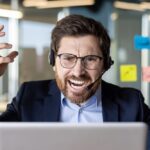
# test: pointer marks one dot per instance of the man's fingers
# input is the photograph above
(5, 45)
(1, 27)
(12, 55)
(9, 58)
(4, 60)
(1, 32)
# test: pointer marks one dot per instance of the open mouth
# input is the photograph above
(77, 84)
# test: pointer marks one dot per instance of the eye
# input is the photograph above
(68, 57)
(91, 58)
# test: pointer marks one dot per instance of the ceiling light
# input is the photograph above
(132, 6)
(128, 6)
(145, 5)
(57, 3)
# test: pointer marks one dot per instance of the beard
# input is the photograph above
(77, 97)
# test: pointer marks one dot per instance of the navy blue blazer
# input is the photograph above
(40, 101)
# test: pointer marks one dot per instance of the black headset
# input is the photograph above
(51, 57)
(109, 62)
(107, 65)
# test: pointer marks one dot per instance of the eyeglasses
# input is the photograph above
(90, 62)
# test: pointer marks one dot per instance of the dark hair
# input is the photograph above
(78, 25)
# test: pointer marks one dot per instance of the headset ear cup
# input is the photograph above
(52, 57)
(109, 63)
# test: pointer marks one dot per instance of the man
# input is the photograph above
(80, 55)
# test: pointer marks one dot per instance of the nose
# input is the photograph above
(78, 69)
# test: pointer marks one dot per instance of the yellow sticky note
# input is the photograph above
(128, 73)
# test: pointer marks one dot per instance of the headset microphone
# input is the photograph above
(92, 84)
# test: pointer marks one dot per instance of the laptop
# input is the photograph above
(68, 136)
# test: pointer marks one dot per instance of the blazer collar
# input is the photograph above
(109, 105)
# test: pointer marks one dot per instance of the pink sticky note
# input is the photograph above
(146, 74)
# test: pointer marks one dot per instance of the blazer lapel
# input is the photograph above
(109, 105)
(52, 103)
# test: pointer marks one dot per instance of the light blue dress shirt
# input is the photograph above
(88, 112)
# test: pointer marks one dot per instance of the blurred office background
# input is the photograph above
(28, 25)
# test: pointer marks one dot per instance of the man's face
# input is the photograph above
(73, 82)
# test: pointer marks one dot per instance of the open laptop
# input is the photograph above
(62, 136)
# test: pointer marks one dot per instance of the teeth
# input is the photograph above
(77, 82)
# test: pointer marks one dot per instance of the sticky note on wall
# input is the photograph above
(128, 73)
(141, 42)
(146, 74)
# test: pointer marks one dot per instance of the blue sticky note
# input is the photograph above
(141, 42)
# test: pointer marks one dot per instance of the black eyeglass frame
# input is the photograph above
(82, 60)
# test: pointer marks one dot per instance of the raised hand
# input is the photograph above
(5, 60)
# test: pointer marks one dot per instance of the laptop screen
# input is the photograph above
(66, 136)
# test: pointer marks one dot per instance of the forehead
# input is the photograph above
(80, 45)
